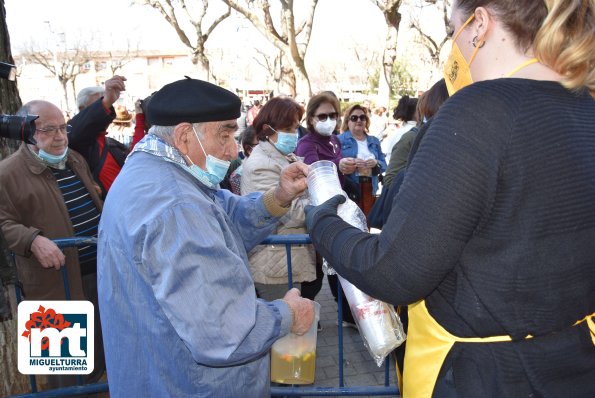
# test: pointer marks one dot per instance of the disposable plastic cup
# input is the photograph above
(323, 182)
(293, 357)
(365, 171)
(353, 295)
(376, 326)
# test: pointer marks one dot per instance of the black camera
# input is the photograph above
(19, 128)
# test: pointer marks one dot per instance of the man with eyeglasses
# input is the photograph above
(48, 193)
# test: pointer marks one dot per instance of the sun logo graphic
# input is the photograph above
(55, 337)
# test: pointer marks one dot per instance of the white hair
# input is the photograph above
(167, 132)
(164, 132)
(82, 98)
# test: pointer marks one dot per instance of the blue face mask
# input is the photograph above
(216, 168)
(286, 142)
(52, 159)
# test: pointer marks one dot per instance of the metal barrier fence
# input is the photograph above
(288, 241)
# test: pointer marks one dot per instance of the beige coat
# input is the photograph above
(268, 263)
(30, 204)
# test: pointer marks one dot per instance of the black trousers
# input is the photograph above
(311, 289)
(333, 282)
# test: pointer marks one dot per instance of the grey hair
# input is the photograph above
(166, 133)
(83, 96)
(24, 110)
(30, 107)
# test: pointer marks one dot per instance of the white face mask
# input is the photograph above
(327, 127)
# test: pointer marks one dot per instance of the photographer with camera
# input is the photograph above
(48, 193)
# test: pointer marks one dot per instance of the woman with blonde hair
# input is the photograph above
(490, 239)
(361, 148)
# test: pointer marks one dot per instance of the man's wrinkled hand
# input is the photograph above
(314, 213)
(47, 253)
(138, 106)
(113, 88)
(292, 183)
(302, 309)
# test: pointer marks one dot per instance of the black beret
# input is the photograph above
(193, 101)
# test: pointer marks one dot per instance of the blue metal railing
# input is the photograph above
(341, 390)
(288, 241)
(80, 388)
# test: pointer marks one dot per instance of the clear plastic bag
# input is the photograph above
(378, 323)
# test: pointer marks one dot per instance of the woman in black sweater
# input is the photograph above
(490, 239)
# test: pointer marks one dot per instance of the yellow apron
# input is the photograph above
(428, 343)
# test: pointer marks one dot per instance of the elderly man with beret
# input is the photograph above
(178, 305)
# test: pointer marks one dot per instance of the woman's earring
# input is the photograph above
(474, 42)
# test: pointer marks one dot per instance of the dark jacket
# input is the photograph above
(88, 137)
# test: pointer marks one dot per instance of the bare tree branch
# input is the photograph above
(392, 17)
(118, 59)
(433, 45)
(286, 40)
(65, 63)
(167, 8)
(216, 22)
(170, 16)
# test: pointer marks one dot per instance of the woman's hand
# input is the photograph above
(370, 163)
(347, 165)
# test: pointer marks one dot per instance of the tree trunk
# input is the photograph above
(288, 77)
(285, 41)
(302, 81)
(10, 101)
(393, 19)
(12, 382)
(64, 105)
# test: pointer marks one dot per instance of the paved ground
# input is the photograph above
(360, 369)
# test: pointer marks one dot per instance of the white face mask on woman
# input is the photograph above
(327, 127)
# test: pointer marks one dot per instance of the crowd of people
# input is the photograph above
(485, 204)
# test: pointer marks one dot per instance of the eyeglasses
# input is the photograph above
(323, 116)
(52, 131)
(354, 118)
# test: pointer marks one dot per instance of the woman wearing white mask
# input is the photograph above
(322, 120)
(490, 238)
(275, 127)
(320, 143)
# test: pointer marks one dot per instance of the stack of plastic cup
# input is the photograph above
(323, 182)
(353, 295)
(374, 319)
